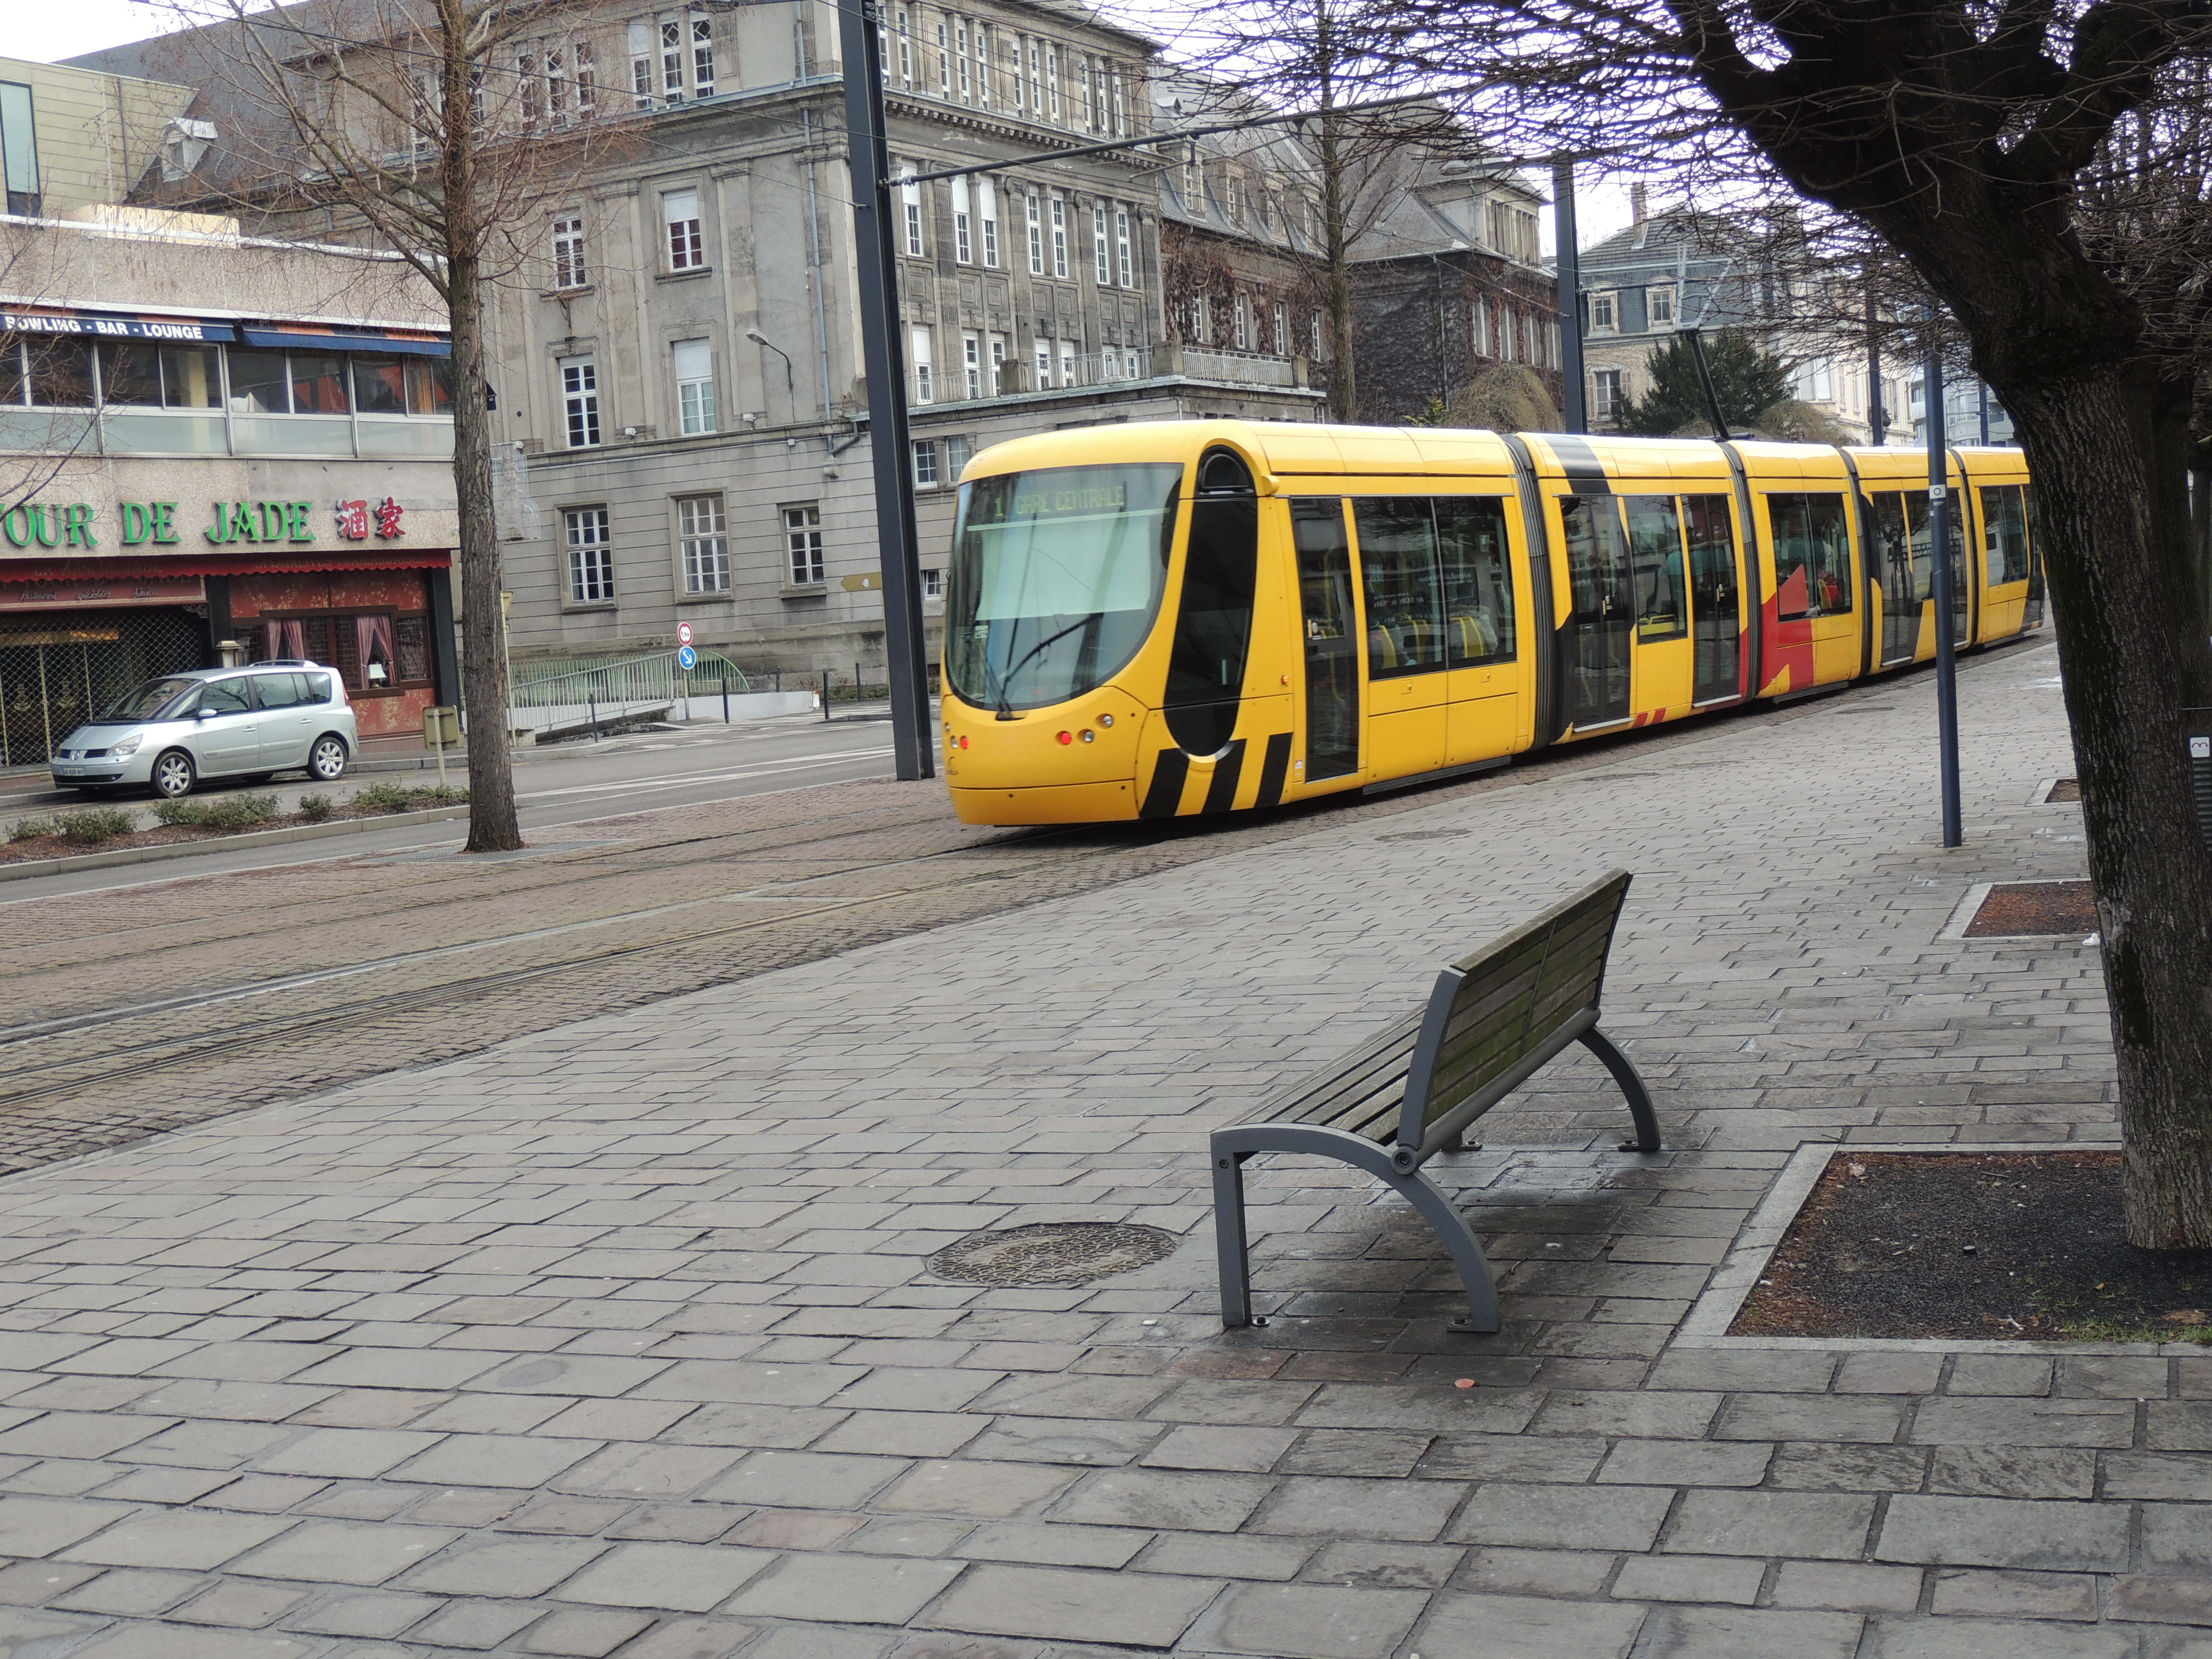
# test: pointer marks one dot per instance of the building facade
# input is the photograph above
(215, 448)
(1680, 269)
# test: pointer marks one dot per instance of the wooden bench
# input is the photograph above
(1409, 1091)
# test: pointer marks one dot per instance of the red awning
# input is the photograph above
(275, 561)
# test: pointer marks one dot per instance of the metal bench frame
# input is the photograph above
(1556, 965)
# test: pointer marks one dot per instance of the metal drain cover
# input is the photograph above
(1053, 1252)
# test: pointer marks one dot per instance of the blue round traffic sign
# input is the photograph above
(686, 659)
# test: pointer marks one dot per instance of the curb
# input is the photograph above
(31, 867)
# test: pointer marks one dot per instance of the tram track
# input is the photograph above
(113, 1069)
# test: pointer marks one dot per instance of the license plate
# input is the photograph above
(68, 771)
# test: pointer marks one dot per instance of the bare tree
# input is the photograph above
(2010, 153)
(410, 125)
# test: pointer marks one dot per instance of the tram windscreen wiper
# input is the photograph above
(1006, 680)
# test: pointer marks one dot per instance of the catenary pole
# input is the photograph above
(1939, 548)
(1569, 261)
(913, 741)
(1877, 417)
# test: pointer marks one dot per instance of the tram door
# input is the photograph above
(1714, 587)
(1332, 639)
(1899, 569)
(1594, 663)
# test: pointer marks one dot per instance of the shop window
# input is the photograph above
(379, 385)
(134, 375)
(410, 647)
(318, 383)
(259, 383)
(374, 651)
(52, 374)
(429, 386)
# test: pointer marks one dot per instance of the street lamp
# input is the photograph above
(790, 380)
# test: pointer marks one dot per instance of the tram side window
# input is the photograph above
(1478, 579)
(1712, 553)
(1812, 556)
(2004, 520)
(1654, 549)
(1892, 551)
(1398, 565)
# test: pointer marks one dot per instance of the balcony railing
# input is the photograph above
(1119, 365)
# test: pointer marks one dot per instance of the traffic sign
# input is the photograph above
(684, 634)
(686, 657)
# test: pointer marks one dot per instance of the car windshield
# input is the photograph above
(1056, 577)
(149, 700)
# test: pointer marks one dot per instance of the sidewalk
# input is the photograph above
(625, 1332)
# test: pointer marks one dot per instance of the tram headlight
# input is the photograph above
(1089, 735)
(1105, 719)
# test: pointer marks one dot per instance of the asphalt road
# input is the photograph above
(563, 784)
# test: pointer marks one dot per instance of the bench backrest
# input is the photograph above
(1496, 1016)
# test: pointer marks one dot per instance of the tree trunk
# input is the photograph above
(492, 823)
(1343, 372)
(2108, 455)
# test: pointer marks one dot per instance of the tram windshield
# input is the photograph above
(1056, 576)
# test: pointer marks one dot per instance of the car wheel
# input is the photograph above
(173, 776)
(326, 761)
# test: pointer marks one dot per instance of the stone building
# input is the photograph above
(1682, 269)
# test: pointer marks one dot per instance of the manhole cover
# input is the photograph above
(2015, 910)
(1053, 1252)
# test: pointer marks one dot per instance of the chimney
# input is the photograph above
(1636, 212)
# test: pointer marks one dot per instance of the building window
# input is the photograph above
(591, 560)
(1190, 203)
(641, 66)
(971, 364)
(1036, 235)
(1059, 236)
(924, 464)
(671, 59)
(1313, 323)
(802, 538)
(702, 56)
(933, 584)
(1604, 315)
(568, 271)
(579, 394)
(960, 41)
(1036, 79)
(957, 453)
(986, 203)
(963, 251)
(1282, 330)
(1119, 108)
(1236, 203)
(1198, 318)
(1122, 261)
(983, 66)
(1051, 80)
(1043, 366)
(1605, 394)
(706, 549)
(910, 214)
(694, 386)
(998, 365)
(679, 213)
(1661, 302)
(1067, 363)
(925, 371)
(587, 81)
(905, 47)
(944, 58)
(1102, 255)
(1244, 321)
(1815, 381)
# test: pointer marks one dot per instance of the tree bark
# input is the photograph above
(2108, 456)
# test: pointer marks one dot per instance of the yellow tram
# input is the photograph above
(1154, 621)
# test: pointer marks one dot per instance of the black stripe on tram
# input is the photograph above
(1221, 793)
(1165, 794)
(1274, 770)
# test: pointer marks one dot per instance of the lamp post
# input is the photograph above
(790, 380)
(1939, 548)
(1569, 262)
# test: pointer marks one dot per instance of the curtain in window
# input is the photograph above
(372, 644)
(283, 639)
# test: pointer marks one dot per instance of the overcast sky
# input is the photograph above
(45, 31)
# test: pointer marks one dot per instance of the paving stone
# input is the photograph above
(592, 1635)
(2129, 1475)
(972, 1488)
(2179, 1425)
(1095, 1441)
(1562, 1517)
(2176, 1539)
(2012, 1472)
(1526, 1627)
(1889, 1373)
(1744, 1371)
(1689, 1578)
(26, 1583)
(2025, 1423)
(694, 1638)
(868, 1590)
(2017, 1594)
(1820, 1466)
(1163, 1498)
(2162, 1599)
(820, 1642)
(1511, 1457)
(40, 1525)
(1253, 1450)
(790, 1529)
(1813, 1417)
(1363, 1565)
(1536, 1572)
(1685, 1463)
(131, 1593)
(1047, 1544)
(1995, 1639)
(1830, 1526)
(684, 1578)
(366, 1615)
(494, 1460)
(355, 1453)
(1056, 1603)
(1217, 1555)
(1744, 1633)
(1621, 1412)
(2112, 1377)
(176, 1538)
(168, 1642)
(1988, 1531)
(505, 1568)
(250, 1607)
(339, 1553)
(821, 1481)
(1308, 1621)
(1847, 1586)
(1375, 1452)
(1326, 1506)
(474, 1624)
(2022, 1375)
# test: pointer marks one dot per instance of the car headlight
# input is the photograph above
(128, 746)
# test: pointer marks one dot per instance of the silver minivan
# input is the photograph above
(214, 722)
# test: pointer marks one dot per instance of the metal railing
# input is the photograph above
(650, 678)
(1239, 368)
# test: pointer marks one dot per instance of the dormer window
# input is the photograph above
(1661, 302)
(1604, 313)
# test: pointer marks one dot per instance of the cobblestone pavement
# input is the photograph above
(621, 1337)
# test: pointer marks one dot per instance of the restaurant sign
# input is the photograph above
(94, 594)
(141, 524)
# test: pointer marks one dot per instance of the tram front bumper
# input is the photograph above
(1058, 802)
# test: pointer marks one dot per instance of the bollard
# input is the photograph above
(725, 693)
(592, 702)
(825, 696)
